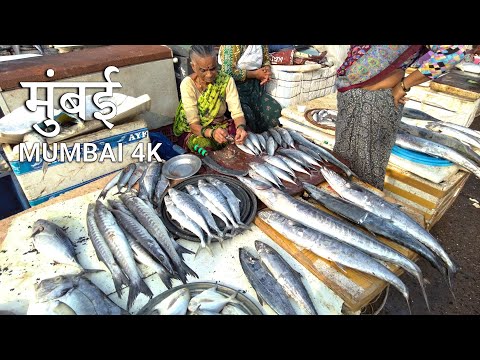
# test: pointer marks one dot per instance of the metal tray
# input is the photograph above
(248, 304)
(181, 167)
(248, 205)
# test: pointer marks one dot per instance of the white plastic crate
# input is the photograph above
(295, 84)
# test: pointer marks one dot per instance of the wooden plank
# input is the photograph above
(458, 83)
(355, 288)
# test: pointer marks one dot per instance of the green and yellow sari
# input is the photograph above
(209, 104)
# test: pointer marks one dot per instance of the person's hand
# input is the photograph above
(240, 136)
(399, 95)
(220, 135)
(263, 76)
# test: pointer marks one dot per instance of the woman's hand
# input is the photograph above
(219, 135)
(240, 136)
(399, 95)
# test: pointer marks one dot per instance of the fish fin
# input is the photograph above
(166, 279)
(200, 248)
(181, 250)
(188, 270)
(135, 289)
(119, 278)
(92, 271)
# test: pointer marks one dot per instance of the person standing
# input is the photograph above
(372, 90)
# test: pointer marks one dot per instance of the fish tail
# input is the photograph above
(135, 289)
(422, 286)
(119, 278)
(166, 279)
(200, 248)
(188, 270)
(449, 277)
(182, 250)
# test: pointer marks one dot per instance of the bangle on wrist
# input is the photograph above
(402, 84)
(202, 132)
(211, 134)
(241, 125)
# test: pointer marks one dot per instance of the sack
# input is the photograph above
(282, 57)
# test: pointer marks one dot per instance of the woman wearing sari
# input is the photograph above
(371, 86)
(200, 120)
(249, 65)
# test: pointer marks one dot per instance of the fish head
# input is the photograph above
(39, 226)
(263, 248)
(202, 182)
(91, 208)
(265, 192)
(100, 205)
(53, 288)
(191, 189)
(246, 257)
(168, 200)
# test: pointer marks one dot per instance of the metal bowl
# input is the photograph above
(248, 205)
(181, 167)
(247, 303)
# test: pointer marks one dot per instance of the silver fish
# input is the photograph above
(286, 136)
(331, 249)
(245, 149)
(125, 177)
(230, 309)
(110, 185)
(294, 165)
(162, 184)
(121, 250)
(210, 300)
(254, 175)
(267, 288)
(280, 173)
(174, 304)
(103, 252)
(263, 142)
(249, 144)
(137, 174)
(232, 200)
(253, 138)
(264, 171)
(271, 146)
(286, 276)
(297, 153)
(279, 163)
(51, 241)
(276, 136)
(149, 180)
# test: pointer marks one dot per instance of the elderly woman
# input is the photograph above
(371, 86)
(249, 65)
(200, 120)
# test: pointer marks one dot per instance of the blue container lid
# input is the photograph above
(419, 158)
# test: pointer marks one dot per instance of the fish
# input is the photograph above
(267, 288)
(271, 146)
(249, 144)
(79, 293)
(259, 177)
(191, 207)
(310, 152)
(379, 206)
(279, 163)
(331, 249)
(110, 185)
(142, 236)
(263, 142)
(327, 156)
(253, 138)
(193, 190)
(424, 146)
(154, 225)
(245, 149)
(149, 180)
(53, 307)
(464, 129)
(143, 257)
(137, 174)
(417, 114)
(232, 199)
(125, 177)
(162, 184)
(264, 171)
(211, 300)
(294, 165)
(298, 156)
(276, 136)
(207, 160)
(455, 133)
(174, 304)
(103, 252)
(279, 173)
(187, 223)
(286, 136)
(286, 276)
(121, 250)
(53, 242)
(231, 309)
(312, 217)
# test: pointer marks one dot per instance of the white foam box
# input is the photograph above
(61, 177)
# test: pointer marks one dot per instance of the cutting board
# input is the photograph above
(458, 83)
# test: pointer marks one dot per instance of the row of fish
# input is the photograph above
(275, 281)
(339, 241)
(207, 302)
(196, 210)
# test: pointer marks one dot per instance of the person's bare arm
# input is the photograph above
(398, 92)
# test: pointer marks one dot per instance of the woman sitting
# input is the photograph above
(200, 120)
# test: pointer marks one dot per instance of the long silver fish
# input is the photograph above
(279, 173)
(463, 129)
(121, 250)
(294, 165)
(286, 136)
(103, 252)
(455, 133)
(174, 304)
(271, 146)
(276, 136)
(267, 288)
(264, 171)
(295, 155)
(314, 218)
(253, 138)
(415, 143)
(232, 199)
(127, 172)
(154, 225)
(255, 176)
(140, 234)
(149, 180)
(110, 185)
(137, 174)
(379, 206)
(263, 142)
(162, 184)
(143, 257)
(331, 249)
(51, 241)
(286, 276)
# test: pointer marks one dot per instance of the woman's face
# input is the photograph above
(205, 68)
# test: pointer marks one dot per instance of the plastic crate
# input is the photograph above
(296, 84)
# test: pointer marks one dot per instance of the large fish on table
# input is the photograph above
(331, 249)
(121, 250)
(286, 276)
(265, 285)
(52, 241)
(379, 206)
(316, 219)
(79, 293)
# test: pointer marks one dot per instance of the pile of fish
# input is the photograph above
(324, 117)
(288, 153)
(196, 209)
(445, 140)
(207, 302)
(340, 241)
(275, 281)
(131, 230)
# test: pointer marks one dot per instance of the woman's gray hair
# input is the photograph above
(202, 51)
